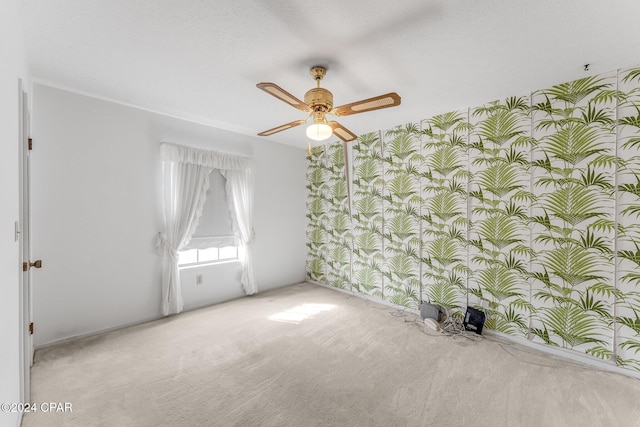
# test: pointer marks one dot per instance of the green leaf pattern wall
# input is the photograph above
(368, 188)
(627, 306)
(401, 213)
(329, 234)
(499, 204)
(527, 208)
(444, 193)
(316, 216)
(573, 214)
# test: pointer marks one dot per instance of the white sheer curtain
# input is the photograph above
(240, 184)
(186, 180)
(185, 186)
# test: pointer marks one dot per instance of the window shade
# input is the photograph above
(215, 227)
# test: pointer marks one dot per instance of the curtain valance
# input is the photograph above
(208, 158)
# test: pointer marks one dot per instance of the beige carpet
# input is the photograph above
(305, 355)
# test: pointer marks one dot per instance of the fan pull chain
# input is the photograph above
(308, 148)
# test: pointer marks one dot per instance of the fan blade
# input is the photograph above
(342, 132)
(281, 128)
(283, 95)
(383, 101)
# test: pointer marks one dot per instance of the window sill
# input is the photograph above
(207, 264)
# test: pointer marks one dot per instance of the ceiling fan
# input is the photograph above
(318, 102)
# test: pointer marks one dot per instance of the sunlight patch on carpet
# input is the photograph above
(301, 312)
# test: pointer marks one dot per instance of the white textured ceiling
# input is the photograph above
(201, 59)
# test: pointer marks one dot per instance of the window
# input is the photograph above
(192, 257)
(214, 239)
(185, 173)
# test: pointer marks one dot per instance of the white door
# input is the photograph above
(22, 234)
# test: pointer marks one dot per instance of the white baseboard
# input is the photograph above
(95, 332)
(565, 354)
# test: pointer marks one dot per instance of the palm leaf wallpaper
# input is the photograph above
(368, 189)
(444, 215)
(499, 202)
(401, 204)
(337, 220)
(573, 129)
(317, 215)
(527, 208)
(627, 309)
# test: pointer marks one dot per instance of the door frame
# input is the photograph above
(23, 227)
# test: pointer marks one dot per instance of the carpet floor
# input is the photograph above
(305, 355)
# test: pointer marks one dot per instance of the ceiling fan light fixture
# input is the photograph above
(319, 130)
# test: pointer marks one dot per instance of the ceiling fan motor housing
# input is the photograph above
(319, 97)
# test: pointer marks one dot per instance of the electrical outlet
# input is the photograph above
(199, 279)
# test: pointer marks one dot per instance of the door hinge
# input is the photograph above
(30, 144)
(25, 266)
(31, 328)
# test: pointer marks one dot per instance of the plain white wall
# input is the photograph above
(96, 177)
(13, 68)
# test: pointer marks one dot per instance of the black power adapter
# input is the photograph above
(474, 320)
